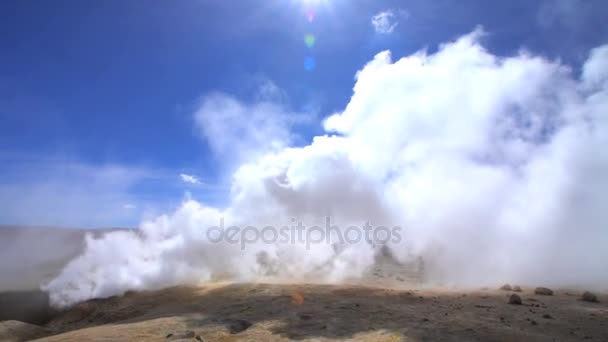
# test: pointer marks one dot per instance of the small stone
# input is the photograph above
(506, 287)
(543, 291)
(533, 322)
(180, 335)
(236, 326)
(515, 299)
(589, 297)
(547, 316)
(516, 288)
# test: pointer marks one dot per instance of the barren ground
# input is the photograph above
(386, 306)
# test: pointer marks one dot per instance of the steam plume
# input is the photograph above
(496, 169)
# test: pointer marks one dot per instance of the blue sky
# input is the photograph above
(98, 98)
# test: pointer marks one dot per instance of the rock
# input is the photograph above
(483, 306)
(180, 335)
(236, 326)
(516, 288)
(589, 297)
(506, 287)
(547, 316)
(515, 299)
(543, 291)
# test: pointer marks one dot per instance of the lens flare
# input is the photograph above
(310, 16)
(309, 64)
(310, 40)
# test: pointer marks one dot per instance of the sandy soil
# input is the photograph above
(385, 306)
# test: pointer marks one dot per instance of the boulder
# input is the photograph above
(506, 287)
(589, 297)
(543, 291)
(515, 299)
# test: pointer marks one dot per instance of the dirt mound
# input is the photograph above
(20, 331)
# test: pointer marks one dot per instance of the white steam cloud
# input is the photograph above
(190, 179)
(384, 22)
(495, 168)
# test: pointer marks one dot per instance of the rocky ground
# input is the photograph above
(388, 305)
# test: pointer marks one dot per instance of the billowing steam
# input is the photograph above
(495, 168)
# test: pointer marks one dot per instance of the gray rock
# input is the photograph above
(506, 287)
(589, 297)
(516, 288)
(543, 291)
(236, 326)
(180, 335)
(515, 299)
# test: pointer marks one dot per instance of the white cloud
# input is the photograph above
(237, 131)
(191, 179)
(489, 164)
(269, 91)
(129, 206)
(385, 22)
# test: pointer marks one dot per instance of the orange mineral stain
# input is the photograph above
(297, 298)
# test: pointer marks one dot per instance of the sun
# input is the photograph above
(314, 7)
(313, 2)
